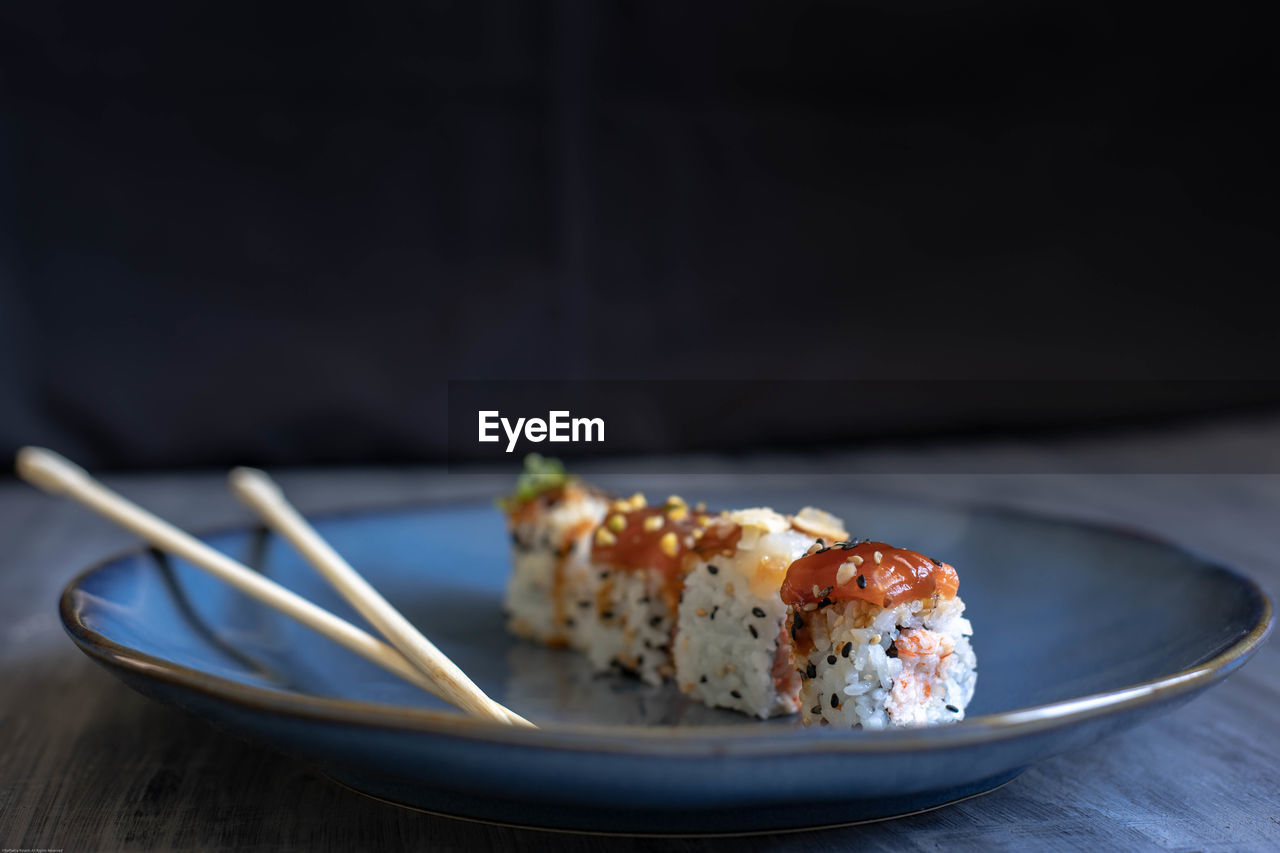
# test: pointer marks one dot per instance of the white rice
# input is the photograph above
(545, 551)
(622, 619)
(730, 634)
(870, 688)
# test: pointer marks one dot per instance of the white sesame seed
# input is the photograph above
(857, 561)
(878, 557)
(845, 573)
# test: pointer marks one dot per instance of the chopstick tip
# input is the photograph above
(46, 469)
(247, 483)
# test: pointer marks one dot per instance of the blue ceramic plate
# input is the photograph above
(1080, 633)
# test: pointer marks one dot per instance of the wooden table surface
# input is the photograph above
(87, 764)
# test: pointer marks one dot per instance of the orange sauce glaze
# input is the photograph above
(786, 678)
(899, 576)
(636, 547)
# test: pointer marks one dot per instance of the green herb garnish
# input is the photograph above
(541, 474)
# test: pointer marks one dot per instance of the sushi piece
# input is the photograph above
(625, 604)
(550, 517)
(731, 647)
(879, 636)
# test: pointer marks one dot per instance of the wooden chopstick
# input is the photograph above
(261, 494)
(59, 476)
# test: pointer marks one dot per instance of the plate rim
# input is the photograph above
(693, 834)
(669, 741)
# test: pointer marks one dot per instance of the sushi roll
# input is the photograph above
(879, 636)
(625, 603)
(549, 517)
(749, 610)
(731, 647)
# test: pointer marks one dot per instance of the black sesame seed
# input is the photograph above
(848, 647)
(569, 622)
(797, 621)
(953, 709)
(640, 660)
(648, 645)
(850, 544)
(713, 569)
(713, 611)
(822, 543)
(604, 576)
(835, 701)
(607, 614)
(826, 602)
(756, 611)
(831, 659)
(703, 679)
(584, 604)
(812, 671)
(655, 621)
(936, 563)
(754, 632)
(862, 581)
(644, 600)
(892, 651)
(735, 694)
(816, 709)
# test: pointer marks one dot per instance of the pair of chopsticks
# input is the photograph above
(411, 655)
